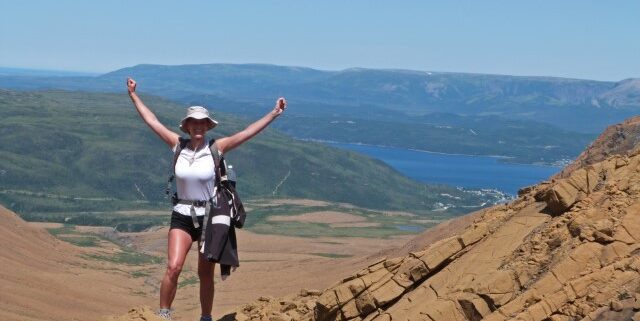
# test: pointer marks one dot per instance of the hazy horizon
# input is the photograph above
(569, 39)
(98, 73)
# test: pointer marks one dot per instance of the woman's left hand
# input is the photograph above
(281, 105)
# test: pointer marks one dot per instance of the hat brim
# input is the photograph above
(212, 122)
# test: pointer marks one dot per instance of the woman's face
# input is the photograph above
(197, 128)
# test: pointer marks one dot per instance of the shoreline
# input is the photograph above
(506, 190)
(501, 157)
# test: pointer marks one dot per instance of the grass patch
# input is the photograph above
(82, 241)
(188, 281)
(69, 234)
(121, 222)
(139, 274)
(65, 229)
(139, 293)
(128, 257)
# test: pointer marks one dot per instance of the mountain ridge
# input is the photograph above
(537, 98)
(564, 106)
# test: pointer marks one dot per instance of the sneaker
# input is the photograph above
(206, 318)
(165, 314)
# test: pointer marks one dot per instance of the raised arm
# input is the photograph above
(226, 144)
(150, 118)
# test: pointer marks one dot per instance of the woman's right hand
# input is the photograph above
(131, 85)
(150, 118)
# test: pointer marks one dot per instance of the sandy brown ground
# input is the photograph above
(47, 279)
(327, 217)
(334, 219)
(271, 265)
(301, 202)
(42, 278)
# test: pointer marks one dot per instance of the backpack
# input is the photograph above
(224, 190)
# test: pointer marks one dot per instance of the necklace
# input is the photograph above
(193, 157)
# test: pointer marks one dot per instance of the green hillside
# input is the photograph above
(75, 151)
(522, 141)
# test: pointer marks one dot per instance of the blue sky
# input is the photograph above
(578, 39)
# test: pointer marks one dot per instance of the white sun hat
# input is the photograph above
(197, 112)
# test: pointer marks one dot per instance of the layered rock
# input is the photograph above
(566, 249)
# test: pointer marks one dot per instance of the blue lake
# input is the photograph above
(473, 172)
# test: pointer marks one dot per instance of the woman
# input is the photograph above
(195, 177)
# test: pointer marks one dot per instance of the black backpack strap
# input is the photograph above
(182, 143)
(217, 159)
(238, 213)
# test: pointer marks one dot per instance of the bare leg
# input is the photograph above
(205, 273)
(179, 245)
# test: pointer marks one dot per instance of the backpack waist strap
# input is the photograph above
(189, 202)
(192, 209)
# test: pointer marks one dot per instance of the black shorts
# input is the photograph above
(185, 223)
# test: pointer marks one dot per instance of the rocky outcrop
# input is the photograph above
(566, 249)
(561, 194)
(621, 139)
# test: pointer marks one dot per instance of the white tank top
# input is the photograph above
(195, 177)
